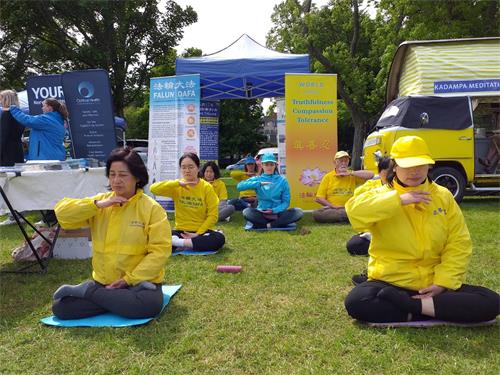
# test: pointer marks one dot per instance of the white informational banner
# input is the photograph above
(174, 124)
(281, 134)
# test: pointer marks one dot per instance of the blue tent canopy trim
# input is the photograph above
(243, 70)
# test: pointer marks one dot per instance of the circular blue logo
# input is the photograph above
(86, 89)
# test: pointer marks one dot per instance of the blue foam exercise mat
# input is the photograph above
(289, 227)
(193, 252)
(109, 319)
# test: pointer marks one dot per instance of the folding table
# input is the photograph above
(41, 190)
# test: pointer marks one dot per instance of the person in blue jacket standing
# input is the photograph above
(273, 196)
(47, 130)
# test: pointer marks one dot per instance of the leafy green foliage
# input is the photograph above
(138, 120)
(342, 38)
(240, 121)
(126, 38)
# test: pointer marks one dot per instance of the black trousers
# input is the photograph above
(210, 240)
(281, 220)
(469, 304)
(358, 245)
(127, 302)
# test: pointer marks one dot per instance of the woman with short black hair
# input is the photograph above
(134, 163)
(130, 245)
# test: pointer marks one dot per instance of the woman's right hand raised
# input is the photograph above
(111, 201)
(415, 196)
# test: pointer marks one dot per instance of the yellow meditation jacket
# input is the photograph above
(368, 185)
(417, 245)
(242, 176)
(337, 189)
(220, 189)
(196, 207)
(130, 241)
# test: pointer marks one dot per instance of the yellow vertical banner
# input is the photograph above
(311, 134)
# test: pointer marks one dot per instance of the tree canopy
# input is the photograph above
(127, 38)
(240, 121)
(341, 38)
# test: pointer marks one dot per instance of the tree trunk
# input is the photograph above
(359, 137)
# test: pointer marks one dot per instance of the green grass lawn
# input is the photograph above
(283, 314)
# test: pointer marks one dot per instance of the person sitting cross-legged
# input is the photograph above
(210, 172)
(130, 245)
(247, 198)
(419, 251)
(273, 196)
(196, 208)
(336, 188)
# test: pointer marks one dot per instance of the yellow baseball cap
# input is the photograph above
(341, 154)
(411, 151)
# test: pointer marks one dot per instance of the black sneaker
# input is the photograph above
(361, 278)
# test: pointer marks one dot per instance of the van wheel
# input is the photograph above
(451, 179)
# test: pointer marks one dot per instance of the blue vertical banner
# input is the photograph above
(90, 105)
(209, 130)
(40, 88)
(174, 123)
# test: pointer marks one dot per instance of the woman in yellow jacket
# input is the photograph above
(247, 198)
(130, 244)
(196, 208)
(210, 172)
(419, 251)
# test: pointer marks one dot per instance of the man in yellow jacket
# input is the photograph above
(419, 251)
(130, 242)
(336, 188)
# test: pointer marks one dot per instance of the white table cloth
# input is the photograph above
(41, 190)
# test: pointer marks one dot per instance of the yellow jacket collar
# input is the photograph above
(425, 186)
(134, 197)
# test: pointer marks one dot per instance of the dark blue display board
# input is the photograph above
(42, 87)
(89, 102)
(209, 130)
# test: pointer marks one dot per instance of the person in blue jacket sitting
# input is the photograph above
(47, 130)
(273, 196)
